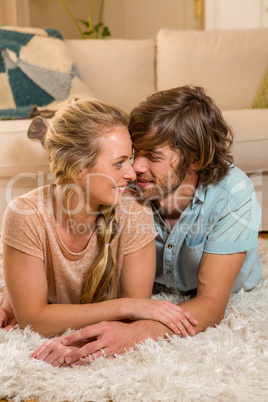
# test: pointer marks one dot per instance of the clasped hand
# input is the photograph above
(114, 337)
(7, 319)
(172, 315)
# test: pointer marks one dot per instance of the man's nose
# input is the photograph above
(140, 164)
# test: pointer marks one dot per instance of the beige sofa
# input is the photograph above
(228, 64)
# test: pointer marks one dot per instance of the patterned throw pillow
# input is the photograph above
(37, 73)
(261, 99)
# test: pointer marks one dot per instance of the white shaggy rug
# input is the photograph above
(226, 363)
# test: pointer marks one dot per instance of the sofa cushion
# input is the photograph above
(228, 64)
(117, 71)
(23, 162)
(250, 129)
(19, 154)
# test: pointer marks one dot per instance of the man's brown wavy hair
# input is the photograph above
(190, 122)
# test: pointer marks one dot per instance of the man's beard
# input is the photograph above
(169, 184)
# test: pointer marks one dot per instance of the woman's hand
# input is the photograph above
(173, 316)
(53, 352)
(7, 319)
(7, 316)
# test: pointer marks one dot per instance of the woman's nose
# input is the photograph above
(130, 174)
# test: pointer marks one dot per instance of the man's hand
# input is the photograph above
(113, 338)
(7, 319)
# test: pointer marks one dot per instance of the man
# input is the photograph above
(205, 211)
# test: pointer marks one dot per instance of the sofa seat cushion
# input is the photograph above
(19, 154)
(250, 127)
(228, 64)
(23, 162)
(118, 71)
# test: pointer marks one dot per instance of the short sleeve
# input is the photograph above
(138, 228)
(22, 228)
(237, 228)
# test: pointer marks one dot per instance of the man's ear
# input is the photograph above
(194, 165)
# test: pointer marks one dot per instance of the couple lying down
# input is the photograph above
(85, 252)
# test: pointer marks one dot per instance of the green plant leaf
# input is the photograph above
(88, 33)
(97, 29)
(72, 18)
(92, 31)
(86, 23)
(100, 24)
(106, 32)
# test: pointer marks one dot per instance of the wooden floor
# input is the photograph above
(264, 235)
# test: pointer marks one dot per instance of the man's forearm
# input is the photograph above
(149, 329)
(206, 310)
(203, 308)
(216, 278)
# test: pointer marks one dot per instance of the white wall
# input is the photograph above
(130, 19)
(232, 14)
(50, 14)
(14, 12)
(137, 19)
(141, 19)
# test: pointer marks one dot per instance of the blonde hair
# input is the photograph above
(73, 143)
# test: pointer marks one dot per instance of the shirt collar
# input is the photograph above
(199, 194)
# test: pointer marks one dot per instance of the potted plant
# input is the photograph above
(91, 30)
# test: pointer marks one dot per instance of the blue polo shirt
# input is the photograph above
(222, 218)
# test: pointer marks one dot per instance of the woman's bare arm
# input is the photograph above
(27, 286)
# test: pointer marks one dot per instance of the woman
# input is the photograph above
(76, 253)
